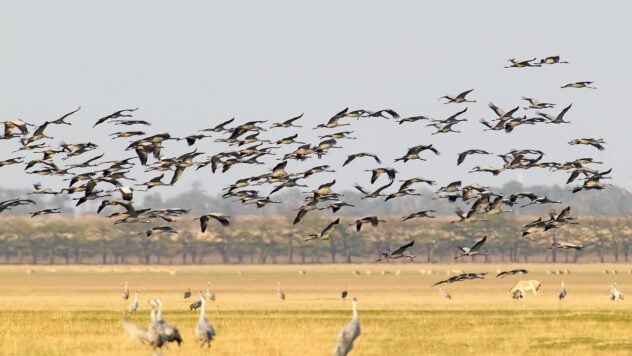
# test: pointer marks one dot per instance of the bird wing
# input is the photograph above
(479, 244)
(403, 248)
(328, 230)
(463, 94)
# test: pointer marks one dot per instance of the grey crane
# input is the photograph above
(464, 154)
(204, 331)
(204, 220)
(349, 333)
(168, 332)
(210, 295)
(595, 142)
(134, 305)
(472, 251)
(399, 253)
(615, 293)
(536, 104)
(419, 214)
(344, 293)
(552, 60)
(325, 234)
(504, 274)
(562, 294)
(187, 294)
(373, 220)
(559, 119)
(198, 303)
(125, 293)
(280, 292)
(457, 99)
(578, 85)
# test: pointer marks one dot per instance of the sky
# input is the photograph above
(190, 65)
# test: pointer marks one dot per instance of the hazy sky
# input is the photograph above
(190, 65)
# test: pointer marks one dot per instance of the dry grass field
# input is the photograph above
(68, 310)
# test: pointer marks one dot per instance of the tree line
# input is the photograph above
(273, 239)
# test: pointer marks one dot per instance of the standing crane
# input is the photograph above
(348, 334)
(210, 295)
(562, 293)
(204, 331)
(615, 293)
(280, 292)
(134, 305)
(167, 332)
(125, 293)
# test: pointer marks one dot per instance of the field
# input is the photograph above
(55, 310)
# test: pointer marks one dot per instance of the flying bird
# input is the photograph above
(204, 220)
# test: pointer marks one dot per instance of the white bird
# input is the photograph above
(349, 333)
(204, 331)
(134, 305)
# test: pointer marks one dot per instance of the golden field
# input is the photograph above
(68, 310)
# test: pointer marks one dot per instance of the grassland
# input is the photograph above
(53, 310)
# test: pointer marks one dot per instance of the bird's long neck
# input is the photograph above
(355, 310)
(203, 310)
(135, 297)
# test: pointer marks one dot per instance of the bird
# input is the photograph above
(374, 194)
(373, 220)
(517, 294)
(280, 292)
(344, 293)
(125, 293)
(559, 119)
(45, 212)
(204, 331)
(376, 172)
(464, 154)
(615, 293)
(204, 220)
(349, 333)
(458, 98)
(595, 142)
(399, 253)
(585, 84)
(134, 305)
(138, 333)
(210, 295)
(198, 303)
(325, 234)
(511, 273)
(166, 331)
(518, 63)
(287, 123)
(536, 104)
(444, 294)
(552, 60)
(419, 214)
(361, 154)
(472, 251)
(562, 294)
(187, 294)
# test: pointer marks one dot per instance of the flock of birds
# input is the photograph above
(159, 333)
(88, 178)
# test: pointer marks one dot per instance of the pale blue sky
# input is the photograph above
(190, 65)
